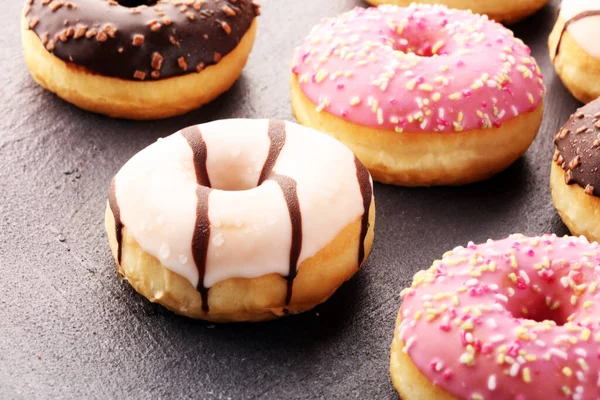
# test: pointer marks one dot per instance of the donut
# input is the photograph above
(574, 177)
(138, 59)
(574, 52)
(422, 95)
(506, 11)
(241, 220)
(516, 318)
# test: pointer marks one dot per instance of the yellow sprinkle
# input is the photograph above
(567, 371)
(460, 116)
(588, 304)
(477, 396)
(411, 84)
(425, 87)
(355, 101)
(526, 375)
(513, 277)
(444, 68)
(513, 261)
(585, 335)
(455, 96)
(566, 390)
(380, 116)
(321, 75)
(500, 359)
(437, 46)
(530, 97)
(593, 287)
(399, 29)
(375, 106)
(467, 325)
(477, 85)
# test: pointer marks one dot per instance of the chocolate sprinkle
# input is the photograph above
(140, 35)
(579, 155)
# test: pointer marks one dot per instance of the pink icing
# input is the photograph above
(421, 68)
(470, 323)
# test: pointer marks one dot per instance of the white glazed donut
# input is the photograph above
(244, 208)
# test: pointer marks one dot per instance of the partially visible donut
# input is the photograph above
(423, 95)
(517, 318)
(575, 177)
(130, 59)
(574, 48)
(505, 11)
(241, 220)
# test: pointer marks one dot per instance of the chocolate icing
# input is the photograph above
(201, 235)
(167, 39)
(578, 148)
(366, 190)
(114, 207)
(277, 138)
(288, 187)
(578, 17)
(200, 241)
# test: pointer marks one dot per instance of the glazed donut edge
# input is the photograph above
(242, 299)
(395, 158)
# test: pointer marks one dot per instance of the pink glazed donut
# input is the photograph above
(515, 319)
(423, 95)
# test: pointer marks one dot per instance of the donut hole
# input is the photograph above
(421, 37)
(537, 307)
(136, 3)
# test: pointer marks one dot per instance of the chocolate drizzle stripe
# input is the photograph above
(277, 137)
(578, 17)
(290, 194)
(194, 137)
(114, 207)
(201, 235)
(366, 190)
(200, 241)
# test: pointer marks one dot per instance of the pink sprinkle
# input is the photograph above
(521, 283)
(486, 348)
(484, 104)
(547, 275)
(445, 328)
(460, 63)
(447, 374)
(467, 93)
(344, 114)
(340, 85)
(420, 79)
(514, 348)
(295, 69)
(393, 101)
(530, 253)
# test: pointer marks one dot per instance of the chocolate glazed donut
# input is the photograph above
(139, 41)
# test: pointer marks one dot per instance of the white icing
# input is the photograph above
(250, 226)
(585, 31)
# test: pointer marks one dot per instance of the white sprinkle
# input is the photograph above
(402, 332)
(408, 344)
(579, 389)
(164, 251)
(558, 353)
(581, 352)
(426, 297)
(441, 112)
(525, 277)
(521, 360)
(514, 369)
(182, 259)
(419, 102)
(493, 287)
(580, 376)
(218, 239)
(492, 83)
(564, 281)
(380, 116)
(469, 337)
(439, 366)
(498, 307)
(423, 124)
(472, 282)
(514, 110)
(492, 382)
(501, 297)
(497, 338)
(540, 343)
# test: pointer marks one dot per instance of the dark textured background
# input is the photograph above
(70, 329)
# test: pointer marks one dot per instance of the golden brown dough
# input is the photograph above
(238, 299)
